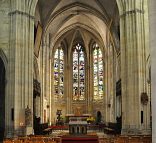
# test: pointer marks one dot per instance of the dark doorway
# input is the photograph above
(2, 99)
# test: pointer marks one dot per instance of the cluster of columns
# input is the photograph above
(20, 64)
(134, 46)
(45, 79)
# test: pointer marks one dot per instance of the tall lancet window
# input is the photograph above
(59, 73)
(78, 73)
(98, 72)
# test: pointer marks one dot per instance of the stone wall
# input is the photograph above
(4, 25)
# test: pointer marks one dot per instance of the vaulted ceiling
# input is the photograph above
(95, 16)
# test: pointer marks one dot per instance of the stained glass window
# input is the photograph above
(78, 73)
(59, 73)
(98, 72)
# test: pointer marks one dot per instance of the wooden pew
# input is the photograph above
(111, 128)
(47, 131)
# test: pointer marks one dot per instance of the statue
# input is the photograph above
(28, 117)
(59, 120)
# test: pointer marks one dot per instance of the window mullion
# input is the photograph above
(58, 72)
(98, 69)
(79, 74)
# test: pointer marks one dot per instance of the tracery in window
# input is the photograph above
(58, 73)
(78, 73)
(98, 72)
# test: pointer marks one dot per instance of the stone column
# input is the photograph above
(90, 81)
(52, 105)
(109, 87)
(106, 86)
(20, 65)
(112, 82)
(50, 90)
(67, 85)
(45, 77)
(134, 44)
(69, 82)
(43, 47)
(153, 70)
(41, 78)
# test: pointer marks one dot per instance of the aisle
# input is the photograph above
(80, 139)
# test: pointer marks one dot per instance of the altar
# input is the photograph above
(78, 124)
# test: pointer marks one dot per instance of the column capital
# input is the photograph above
(134, 11)
(18, 12)
(23, 6)
(130, 7)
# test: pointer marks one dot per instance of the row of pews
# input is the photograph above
(33, 139)
(126, 139)
(111, 139)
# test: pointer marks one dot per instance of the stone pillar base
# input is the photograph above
(135, 132)
(130, 131)
(9, 132)
(146, 132)
(29, 131)
(21, 131)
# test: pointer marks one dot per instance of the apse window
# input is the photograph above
(98, 72)
(59, 73)
(78, 73)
